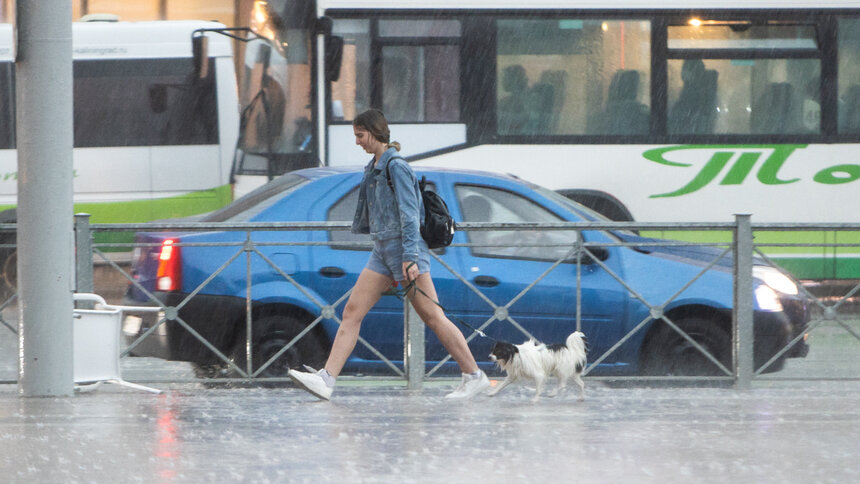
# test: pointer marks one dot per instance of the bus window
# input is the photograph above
(743, 96)
(567, 76)
(420, 70)
(7, 105)
(741, 35)
(849, 75)
(113, 104)
(421, 83)
(350, 94)
(419, 28)
(757, 92)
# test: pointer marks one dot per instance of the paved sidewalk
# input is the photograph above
(380, 432)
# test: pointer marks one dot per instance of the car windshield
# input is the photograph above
(586, 213)
(245, 208)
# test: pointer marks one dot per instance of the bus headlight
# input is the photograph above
(775, 279)
(767, 299)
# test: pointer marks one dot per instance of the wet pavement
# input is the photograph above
(378, 431)
(375, 430)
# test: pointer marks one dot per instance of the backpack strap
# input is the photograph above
(388, 171)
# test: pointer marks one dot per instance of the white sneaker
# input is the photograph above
(312, 382)
(470, 386)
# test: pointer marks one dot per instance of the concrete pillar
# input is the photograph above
(43, 70)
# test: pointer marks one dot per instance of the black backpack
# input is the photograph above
(438, 227)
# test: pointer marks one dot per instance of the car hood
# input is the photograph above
(697, 254)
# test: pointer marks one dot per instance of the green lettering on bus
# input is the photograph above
(768, 172)
(711, 169)
(746, 157)
(740, 169)
(828, 176)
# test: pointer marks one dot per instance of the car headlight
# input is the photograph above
(775, 279)
(767, 299)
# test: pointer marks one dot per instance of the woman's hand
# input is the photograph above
(410, 271)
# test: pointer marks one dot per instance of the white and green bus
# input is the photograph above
(655, 111)
(153, 136)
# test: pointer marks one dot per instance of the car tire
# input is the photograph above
(272, 333)
(668, 353)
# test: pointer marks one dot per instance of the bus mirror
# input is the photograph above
(200, 51)
(333, 57)
(158, 98)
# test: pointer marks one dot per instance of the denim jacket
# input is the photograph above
(385, 214)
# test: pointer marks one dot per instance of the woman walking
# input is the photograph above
(393, 219)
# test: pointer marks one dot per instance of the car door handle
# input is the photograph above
(332, 272)
(486, 281)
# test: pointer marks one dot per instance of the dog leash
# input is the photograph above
(401, 293)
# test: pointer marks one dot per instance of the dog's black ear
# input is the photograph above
(504, 351)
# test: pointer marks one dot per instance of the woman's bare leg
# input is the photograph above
(435, 319)
(365, 294)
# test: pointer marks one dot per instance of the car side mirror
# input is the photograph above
(599, 253)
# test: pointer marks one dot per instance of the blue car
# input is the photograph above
(484, 281)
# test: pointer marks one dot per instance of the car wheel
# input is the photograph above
(668, 353)
(273, 333)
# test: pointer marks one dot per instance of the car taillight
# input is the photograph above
(169, 275)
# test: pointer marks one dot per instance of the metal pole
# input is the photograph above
(322, 134)
(413, 347)
(743, 305)
(84, 279)
(43, 70)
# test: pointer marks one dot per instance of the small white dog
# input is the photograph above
(537, 362)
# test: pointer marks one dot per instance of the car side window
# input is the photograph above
(486, 204)
(344, 211)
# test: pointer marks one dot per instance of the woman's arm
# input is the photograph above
(408, 205)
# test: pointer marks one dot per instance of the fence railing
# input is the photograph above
(579, 260)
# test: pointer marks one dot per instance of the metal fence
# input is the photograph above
(833, 331)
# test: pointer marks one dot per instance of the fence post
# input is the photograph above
(413, 347)
(84, 280)
(743, 301)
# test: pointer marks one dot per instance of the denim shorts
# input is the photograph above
(387, 258)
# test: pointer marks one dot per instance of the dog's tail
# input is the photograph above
(577, 340)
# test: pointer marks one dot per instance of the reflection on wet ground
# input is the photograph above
(377, 431)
